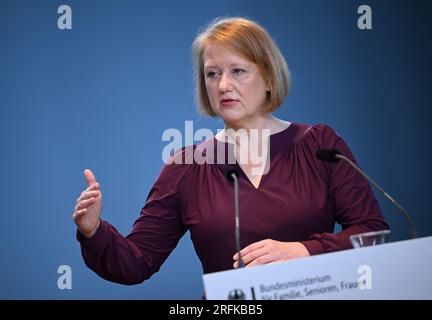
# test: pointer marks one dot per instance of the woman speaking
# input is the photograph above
(289, 203)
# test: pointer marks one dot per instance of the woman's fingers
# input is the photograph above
(261, 260)
(84, 204)
(79, 213)
(94, 186)
(255, 254)
(88, 195)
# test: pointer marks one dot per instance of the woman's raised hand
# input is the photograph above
(88, 207)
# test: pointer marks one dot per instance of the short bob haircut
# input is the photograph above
(253, 42)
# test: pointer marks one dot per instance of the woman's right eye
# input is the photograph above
(211, 74)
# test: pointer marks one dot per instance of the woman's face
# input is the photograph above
(235, 86)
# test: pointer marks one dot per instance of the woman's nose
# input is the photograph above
(225, 83)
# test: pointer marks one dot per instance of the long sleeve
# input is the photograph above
(353, 203)
(135, 258)
(300, 199)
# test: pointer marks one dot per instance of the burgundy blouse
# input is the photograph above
(299, 199)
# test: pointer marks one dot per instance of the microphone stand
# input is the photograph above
(237, 218)
(407, 215)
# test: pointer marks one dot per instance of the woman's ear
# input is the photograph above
(268, 88)
(268, 92)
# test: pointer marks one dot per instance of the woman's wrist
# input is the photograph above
(88, 235)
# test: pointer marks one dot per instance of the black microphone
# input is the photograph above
(328, 155)
(333, 155)
(231, 173)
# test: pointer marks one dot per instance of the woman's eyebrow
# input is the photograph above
(236, 64)
(209, 66)
(233, 64)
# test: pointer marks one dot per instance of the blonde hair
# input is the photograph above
(253, 42)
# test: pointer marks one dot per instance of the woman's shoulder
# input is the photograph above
(313, 133)
(318, 128)
(301, 133)
(178, 165)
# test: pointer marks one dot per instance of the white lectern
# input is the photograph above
(399, 270)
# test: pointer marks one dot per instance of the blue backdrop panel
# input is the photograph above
(100, 96)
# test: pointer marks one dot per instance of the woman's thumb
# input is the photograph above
(89, 176)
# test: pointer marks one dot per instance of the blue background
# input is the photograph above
(100, 96)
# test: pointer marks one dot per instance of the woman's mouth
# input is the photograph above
(228, 102)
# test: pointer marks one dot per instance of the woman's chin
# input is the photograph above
(231, 116)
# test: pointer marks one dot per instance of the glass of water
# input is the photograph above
(370, 238)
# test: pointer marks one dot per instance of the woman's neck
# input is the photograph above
(267, 123)
(263, 122)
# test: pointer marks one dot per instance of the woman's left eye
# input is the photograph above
(238, 71)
